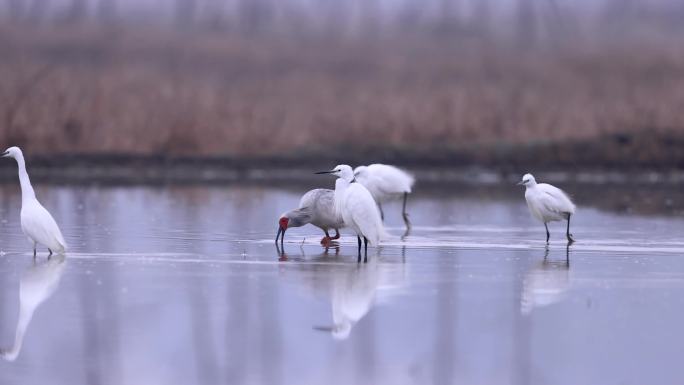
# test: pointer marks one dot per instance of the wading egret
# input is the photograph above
(547, 203)
(316, 207)
(355, 204)
(37, 284)
(386, 183)
(36, 222)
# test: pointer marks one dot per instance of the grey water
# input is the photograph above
(183, 284)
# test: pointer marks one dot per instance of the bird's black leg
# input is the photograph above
(404, 213)
(382, 213)
(547, 232)
(359, 240)
(365, 255)
(34, 251)
(567, 232)
(49, 255)
(337, 234)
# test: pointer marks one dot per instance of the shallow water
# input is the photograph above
(183, 285)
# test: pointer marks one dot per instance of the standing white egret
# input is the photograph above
(548, 203)
(355, 204)
(386, 183)
(36, 222)
(317, 207)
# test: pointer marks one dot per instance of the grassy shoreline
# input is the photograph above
(612, 159)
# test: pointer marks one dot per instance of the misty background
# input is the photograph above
(503, 83)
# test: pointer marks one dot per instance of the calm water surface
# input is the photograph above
(183, 285)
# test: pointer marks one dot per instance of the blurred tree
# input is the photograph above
(106, 11)
(37, 11)
(76, 12)
(254, 15)
(526, 27)
(15, 9)
(185, 13)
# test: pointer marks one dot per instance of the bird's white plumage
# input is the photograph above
(547, 203)
(40, 227)
(384, 182)
(355, 204)
(36, 222)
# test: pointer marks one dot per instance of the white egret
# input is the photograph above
(386, 183)
(36, 222)
(548, 203)
(317, 207)
(355, 204)
(37, 284)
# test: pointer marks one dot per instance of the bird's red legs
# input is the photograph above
(327, 240)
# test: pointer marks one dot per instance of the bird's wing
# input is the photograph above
(310, 197)
(390, 179)
(555, 200)
(324, 209)
(38, 224)
(364, 212)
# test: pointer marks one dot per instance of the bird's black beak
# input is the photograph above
(4, 154)
(520, 183)
(325, 172)
(281, 235)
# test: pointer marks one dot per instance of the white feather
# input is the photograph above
(384, 182)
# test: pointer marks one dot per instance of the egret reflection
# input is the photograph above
(38, 283)
(546, 283)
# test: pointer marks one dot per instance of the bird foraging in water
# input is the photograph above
(355, 204)
(317, 207)
(548, 203)
(36, 222)
(385, 183)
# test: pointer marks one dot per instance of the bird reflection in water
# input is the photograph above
(353, 295)
(37, 284)
(546, 283)
(284, 257)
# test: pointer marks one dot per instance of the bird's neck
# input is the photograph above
(27, 192)
(341, 186)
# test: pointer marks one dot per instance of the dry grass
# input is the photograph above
(142, 92)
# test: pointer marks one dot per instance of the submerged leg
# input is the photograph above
(34, 251)
(359, 240)
(547, 232)
(567, 232)
(404, 213)
(365, 255)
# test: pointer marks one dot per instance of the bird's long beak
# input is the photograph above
(324, 328)
(4, 154)
(325, 172)
(520, 183)
(278, 235)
